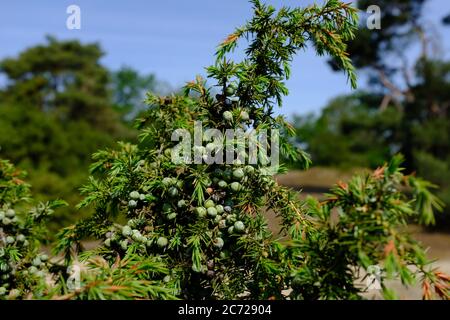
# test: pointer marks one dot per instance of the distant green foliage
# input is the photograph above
(129, 88)
(63, 77)
(56, 110)
(350, 132)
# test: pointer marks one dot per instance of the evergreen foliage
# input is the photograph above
(206, 222)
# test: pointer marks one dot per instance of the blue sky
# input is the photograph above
(174, 39)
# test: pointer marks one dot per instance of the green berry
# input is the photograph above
(21, 238)
(167, 181)
(6, 221)
(209, 204)
(201, 212)
(132, 204)
(239, 226)
(231, 230)
(173, 192)
(181, 204)
(124, 244)
(237, 162)
(126, 231)
(238, 173)
(172, 215)
(142, 197)
(219, 209)
(36, 262)
(32, 269)
(10, 239)
(107, 242)
(162, 242)
(235, 186)
(134, 195)
(228, 116)
(229, 91)
(10, 213)
(44, 257)
(136, 235)
(212, 212)
(223, 184)
(218, 243)
(249, 169)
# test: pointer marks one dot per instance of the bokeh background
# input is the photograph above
(66, 93)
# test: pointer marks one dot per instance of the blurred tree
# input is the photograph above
(64, 78)
(128, 91)
(56, 110)
(350, 132)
